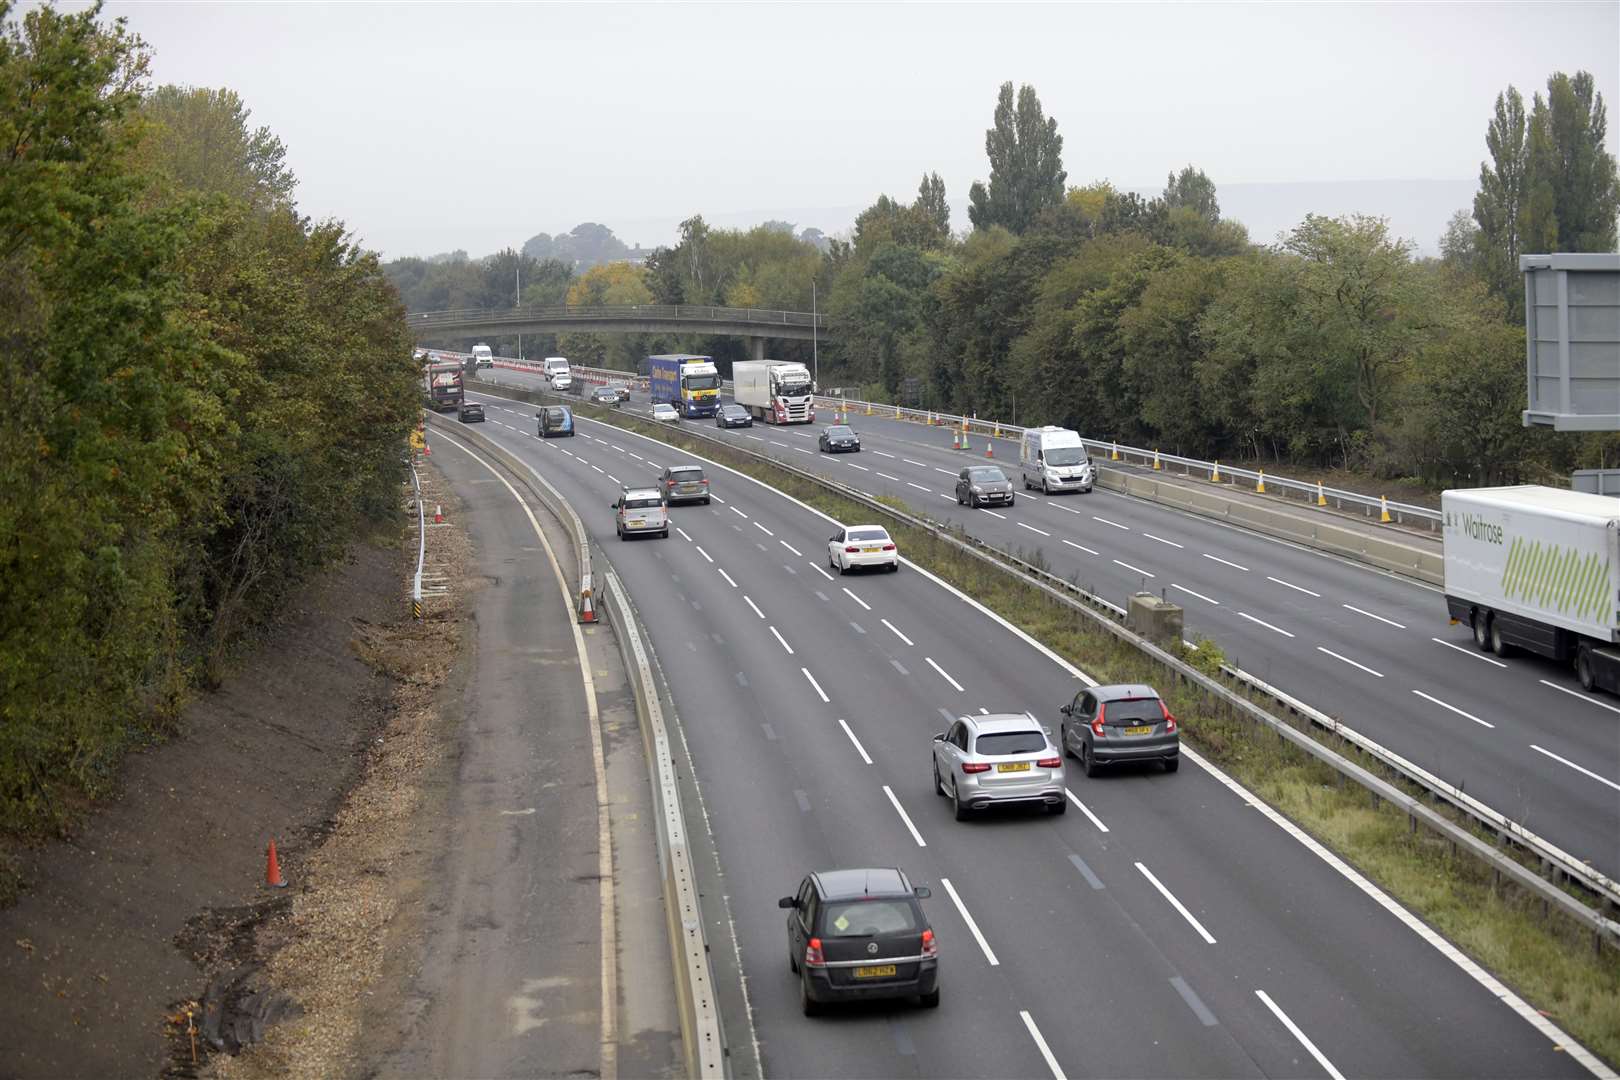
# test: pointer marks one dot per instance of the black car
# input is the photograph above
(861, 934)
(839, 439)
(1107, 725)
(733, 416)
(978, 485)
(605, 395)
(471, 412)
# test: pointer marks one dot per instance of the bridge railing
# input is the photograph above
(627, 312)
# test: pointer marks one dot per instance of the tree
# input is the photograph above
(1572, 176)
(1460, 245)
(932, 205)
(1026, 164)
(1192, 189)
(201, 141)
(1498, 205)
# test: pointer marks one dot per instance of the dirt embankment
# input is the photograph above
(158, 906)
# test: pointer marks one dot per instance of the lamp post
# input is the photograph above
(815, 355)
(517, 296)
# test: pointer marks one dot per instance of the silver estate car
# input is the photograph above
(999, 759)
(1128, 722)
(640, 511)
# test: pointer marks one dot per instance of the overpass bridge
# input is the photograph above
(756, 324)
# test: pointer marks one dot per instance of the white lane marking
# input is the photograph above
(1082, 547)
(1055, 506)
(947, 472)
(1349, 661)
(775, 443)
(1265, 624)
(820, 571)
(1040, 1044)
(1136, 569)
(803, 435)
(992, 513)
(1472, 653)
(886, 476)
(919, 464)
(1223, 562)
(1162, 540)
(880, 453)
(852, 465)
(802, 450)
(727, 576)
(945, 673)
(919, 487)
(736, 511)
(815, 685)
(756, 438)
(621, 449)
(753, 605)
(1577, 768)
(1033, 529)
(570, 453)
(635, 455)
(1115, 524)
(1574, 693)
(703, 553)
(782, 641)
(897, 632)
(1177, 904)
(1370, 615)
(791, 548)
(1190, 592)
(972, 926)
(718, 499)
(615, 479)
(1293, 1029)
(1291, 585)
(859, 749)
(1027, 495)
(857, 599)
(915, 835)
(953, 498)
(763, 529)
(1453, 708)
(598, 468)
(682, 531)
(1086, 810)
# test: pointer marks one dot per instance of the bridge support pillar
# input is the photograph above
(756, 347)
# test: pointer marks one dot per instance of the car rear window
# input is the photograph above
(686, 473)
(556, 415)
(1118, 712)
(1010, 742)
(863, 918)
(868, 535)
(642, 504)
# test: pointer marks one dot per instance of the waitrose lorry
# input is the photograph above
(776, 391)
(690, 383)
(1538, 569)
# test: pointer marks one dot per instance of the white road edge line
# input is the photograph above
(858, 747)
(1349, 661)
(1086, 810)
(1177, 904)
(897, 633)
(1293, 1028)
(1453, 708)
(1040, 1044)
(915, 835)
(1370, 615)
(1577, 768)
(972, 926)
(945, 673)
(819, 691)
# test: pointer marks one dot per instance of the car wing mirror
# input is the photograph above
(1067, 710)
(537, 416)
(938, 735)
(921, 892)
(787, 902)
(613, 506)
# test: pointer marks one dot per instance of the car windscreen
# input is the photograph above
(1120, 712)
(1066, 455)
(733, 410)
(839, 432)
(986, 476)
(868, 536)
(701, 382)
(642, 504)
(863, 918)
(1010, 742)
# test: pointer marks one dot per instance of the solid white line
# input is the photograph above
(1162, 540)
(1349, 661)
(793, 549)
(727, 576)
(972, 926)
(763, 529)
(1265, 624)
(1453, 708)
(703, 553)
(1082, 547)
(919, 464)
(857, 599)
(1223, 562)
(852, 465)
(736, 511)
(1033, 529)
(919, 487)
(1115, 524)
(1471, 653)
(943, 672)
(1136, 569)
(858, 747)
(820, 571)
(992, 513)
(1177, 904)
(1190, 592)
(1573, 693)
(782, 641)
(915, 835)
(880, 453)
(682, 531)
(1370, 615)
(815, 685)
(1577, 768)
(753, 605)
(1300, 1035)
(1040, 1044)
(1086, 810)
(1291, 585)
(897, 633)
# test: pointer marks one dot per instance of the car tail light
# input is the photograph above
(975, 766)
(812, 954)
(1097, 724)
(1169, 721)
(930, 947)
(671, 483)
(704, 481)
(888, 547)
(1049, 762)
(852, 550)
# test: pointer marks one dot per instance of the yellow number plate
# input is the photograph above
(1013, 766)
(1148, 730)
(870, 550)
(877, 972)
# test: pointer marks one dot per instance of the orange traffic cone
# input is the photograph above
(989, 449)
(438, 514)
(587, 609)
(272, 869)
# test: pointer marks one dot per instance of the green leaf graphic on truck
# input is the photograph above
(1556, 577)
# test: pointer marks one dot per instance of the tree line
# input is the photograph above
(206, 396)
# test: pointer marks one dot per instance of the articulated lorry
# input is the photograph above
(776, 391)
(690, 383)
(1538, 569)
(441, 386)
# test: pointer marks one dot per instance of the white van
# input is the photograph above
(1054, 459)
(482, 357)
(556, 365)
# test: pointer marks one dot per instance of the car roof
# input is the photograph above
(686, 468)
(849, 884)
(879, 528)
(1124, 692)
(995, 723)
(642, 491)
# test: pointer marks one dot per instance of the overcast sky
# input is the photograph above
(428, 127)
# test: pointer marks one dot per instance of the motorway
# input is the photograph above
(1372, 649)
(1167, 925)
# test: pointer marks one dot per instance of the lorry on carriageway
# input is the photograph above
(1538, 569)
(441, 385)
(690, 383)
(776, 391)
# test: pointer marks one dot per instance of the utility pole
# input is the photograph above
(517, 295)
(815, 355)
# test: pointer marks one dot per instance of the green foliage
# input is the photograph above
(205, 146)
(1026, 164)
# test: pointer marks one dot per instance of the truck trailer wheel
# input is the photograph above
(1499, 646)
(1482, 629)
(1583, 668)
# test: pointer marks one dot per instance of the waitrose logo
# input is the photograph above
(1475, 527)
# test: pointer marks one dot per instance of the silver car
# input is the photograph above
(1107, 725)
(639, 511)
(998, 759)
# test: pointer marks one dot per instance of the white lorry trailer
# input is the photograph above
(776, 391)
(1538, 569)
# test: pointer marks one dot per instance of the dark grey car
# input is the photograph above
(684, 483)
(1107, 725)
(861, 934)
(981, 485)
(839, 439)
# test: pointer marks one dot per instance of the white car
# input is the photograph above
(861, 546)
(562, 381)
(665, 412)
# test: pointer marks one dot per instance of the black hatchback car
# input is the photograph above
(859, 935)
(471, 412)
(1111, 724)
(838, 439)
(732, 415)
